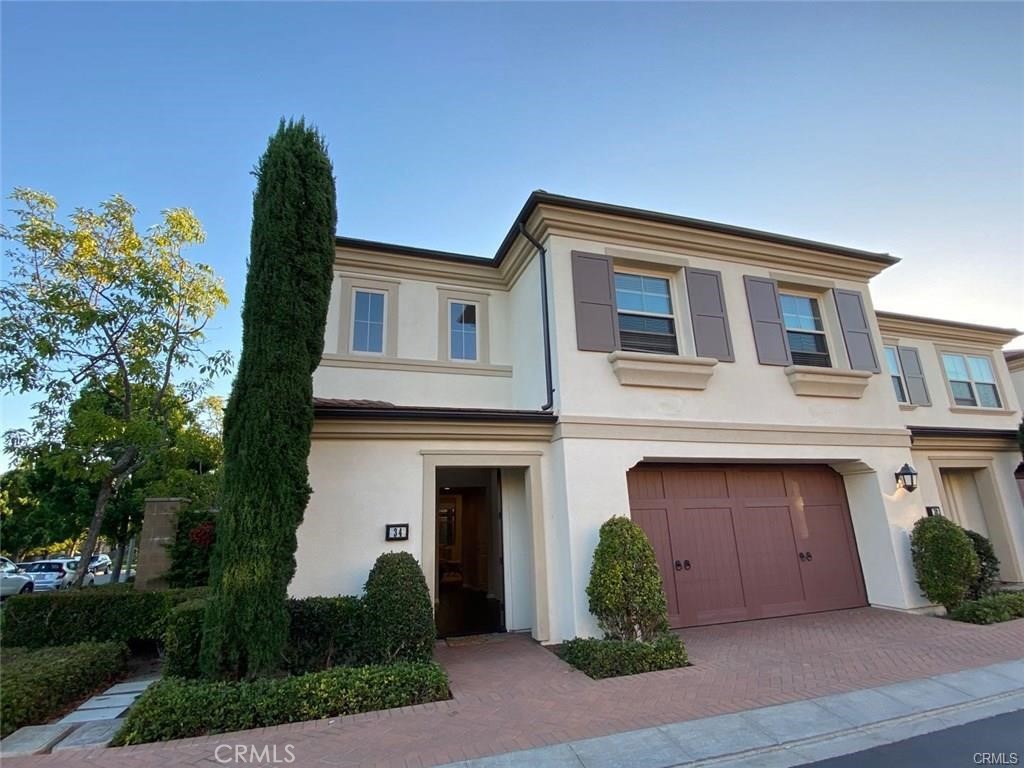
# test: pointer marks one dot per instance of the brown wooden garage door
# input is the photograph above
(748, 542)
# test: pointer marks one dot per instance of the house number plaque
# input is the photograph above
(396, 532)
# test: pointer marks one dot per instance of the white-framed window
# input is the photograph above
(645, 316)
(899, 382)
(369, 317)
(805, 331)
(462, 330)
(972, 381)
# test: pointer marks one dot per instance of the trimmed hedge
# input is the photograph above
(613, 658)
(625, 590)
(175, 709)
(398, 617)
(76, 616)
(323, 632)
(40, 684)
(944, 560)
(988, 566)
(1002, 606)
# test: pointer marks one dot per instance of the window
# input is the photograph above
(971, 380)
(646, 322)
(896, 374)
(462, 327)
(804, 330)
(368, 322)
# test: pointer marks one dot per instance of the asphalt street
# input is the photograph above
(996, 741)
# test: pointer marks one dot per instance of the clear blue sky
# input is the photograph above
(895, 127)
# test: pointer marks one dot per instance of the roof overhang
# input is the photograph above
(935, 329)
(964, 438)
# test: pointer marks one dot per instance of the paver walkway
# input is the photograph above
(511, 694)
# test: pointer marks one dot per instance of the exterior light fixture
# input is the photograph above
(907, 478)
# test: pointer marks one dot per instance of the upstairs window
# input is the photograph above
(892, 361)
(646, 322)
(368, 321)
(801, 317)
(971, 380)
(462, 330)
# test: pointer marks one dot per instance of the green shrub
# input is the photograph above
(75, 616)
(625, 590)
(323, 632)
(992, 609)
(944, 560)
(194, 536)
(398, 617)
(174, 709)
(41, 684)
(988, 566)
(612, 658)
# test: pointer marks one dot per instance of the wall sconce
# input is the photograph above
(907, 478)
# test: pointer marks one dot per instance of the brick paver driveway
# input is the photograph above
(512, 694)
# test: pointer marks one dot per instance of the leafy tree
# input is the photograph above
(944, 559)
(41, 508)
(269, 415)
(95, 302)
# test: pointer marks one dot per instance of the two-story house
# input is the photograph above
(733, 391)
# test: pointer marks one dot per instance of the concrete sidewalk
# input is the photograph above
(793, 734)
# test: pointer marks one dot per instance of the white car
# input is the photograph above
(11, 581)
(48, 575)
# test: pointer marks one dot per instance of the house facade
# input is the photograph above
(734, 392)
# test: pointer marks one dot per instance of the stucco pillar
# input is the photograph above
(159, 523)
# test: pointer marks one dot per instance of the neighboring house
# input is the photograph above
(733, 391)
(1015, 364)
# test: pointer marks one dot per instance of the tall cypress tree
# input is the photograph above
(269, 415)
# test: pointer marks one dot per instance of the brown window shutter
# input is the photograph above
(856, 331)
(766, 319)
(593, 287)
(917, 389)
(708, 315)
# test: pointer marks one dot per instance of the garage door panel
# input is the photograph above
(645, 485)
(830, 573)
(696, 484)
(814, 483)
(708, 581)
(768, 560)
(654, 522)
(756, 483)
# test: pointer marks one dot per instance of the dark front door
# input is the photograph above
(747, 542)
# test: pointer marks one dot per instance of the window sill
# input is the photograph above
(981, 409)
(643, 369)
(378, 362)
(907, 407)
(811, 381)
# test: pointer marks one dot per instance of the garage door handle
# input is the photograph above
(683, 566)
(806, 556)
(803, 556)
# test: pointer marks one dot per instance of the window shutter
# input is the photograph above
(593, 286)
(910, 361)
(856, 331)
(707, 314)
(766, 319)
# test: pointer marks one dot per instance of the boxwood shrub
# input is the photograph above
(39, 684)
(398, 617)
(988, 566)
(992, 609)
(601, 658)
(323, 632)
(944, 560)
(120, 614)
(175, 708)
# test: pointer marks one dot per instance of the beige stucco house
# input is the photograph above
(734, 391)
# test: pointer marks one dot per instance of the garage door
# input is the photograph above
(748, 542)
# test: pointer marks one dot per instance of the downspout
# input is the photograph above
(544, 315)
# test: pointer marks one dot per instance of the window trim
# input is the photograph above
(352, 323)
(346, 331)
(619, 268)
(480, 299)
(899, 371)
(996, 382)
(826, 331)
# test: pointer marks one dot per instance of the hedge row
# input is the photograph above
(323, 632)
(120, 614)
(1002, 606)
(175, 708)
(40, 684)
(601, 658)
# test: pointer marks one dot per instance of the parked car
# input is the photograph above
(100, 564)
(12, 581)
(48, 575)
